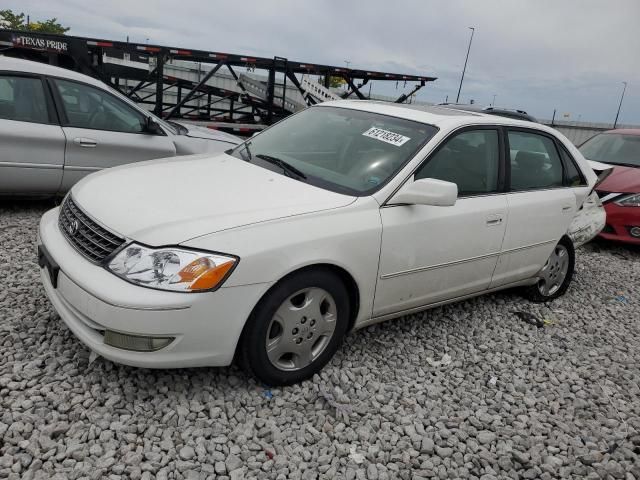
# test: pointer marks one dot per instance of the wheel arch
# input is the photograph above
(347, 279)
(569, 240)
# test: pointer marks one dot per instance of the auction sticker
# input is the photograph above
(386, 136)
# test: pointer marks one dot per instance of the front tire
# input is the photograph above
(556, 275)
(296, 328)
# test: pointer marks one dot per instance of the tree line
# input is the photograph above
(20, 21)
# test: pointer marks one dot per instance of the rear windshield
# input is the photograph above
(339, 149)
(614, 148)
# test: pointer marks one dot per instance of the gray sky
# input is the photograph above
(571, 55)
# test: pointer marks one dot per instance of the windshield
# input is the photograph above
(343, 150)
(614, 148)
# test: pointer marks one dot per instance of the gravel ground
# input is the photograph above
(465, 391)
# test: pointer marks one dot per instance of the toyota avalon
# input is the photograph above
(343, 215)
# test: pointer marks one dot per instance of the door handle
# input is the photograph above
(566, 208)
(85, 142)
(493, 220)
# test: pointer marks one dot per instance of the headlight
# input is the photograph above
(632, 200)
(172, 269)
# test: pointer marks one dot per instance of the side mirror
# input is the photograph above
(152, 127)
(427, 191)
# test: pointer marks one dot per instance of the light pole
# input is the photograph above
(615, 122)
(493, 104)
(465, 63)
(347, 62)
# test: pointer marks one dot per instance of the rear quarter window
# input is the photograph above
(573, 175)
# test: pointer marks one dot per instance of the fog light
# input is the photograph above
(136, 343)
(635, 232)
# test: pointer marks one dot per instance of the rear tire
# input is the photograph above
(556, 275)
(296, 328)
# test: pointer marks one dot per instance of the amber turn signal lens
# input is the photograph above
(205, 277)
(196, 268)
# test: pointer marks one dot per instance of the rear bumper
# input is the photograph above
(588, 222)
(206, 327)
(620, 221)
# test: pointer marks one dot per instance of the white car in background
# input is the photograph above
(340, 216)
(56, 126)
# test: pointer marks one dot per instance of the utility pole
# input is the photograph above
(615, 122)
(465, 63)
(493, 104)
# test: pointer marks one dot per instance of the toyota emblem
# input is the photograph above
(73, 227)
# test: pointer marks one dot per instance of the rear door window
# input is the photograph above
(535, 162)
(573, 176)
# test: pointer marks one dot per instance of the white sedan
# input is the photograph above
(341, 216)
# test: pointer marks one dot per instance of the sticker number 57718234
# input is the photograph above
(386, 136)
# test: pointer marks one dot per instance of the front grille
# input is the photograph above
(90, 239)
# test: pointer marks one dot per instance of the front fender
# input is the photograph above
(347, 237)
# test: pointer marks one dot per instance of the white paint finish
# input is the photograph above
(426, 191)
(169, 201)
(207, 326)
(537, 221)
(346, 237)
(31, 157)
(400, 257)
(589, 221)
(432, 253)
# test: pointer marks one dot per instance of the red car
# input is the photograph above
(620, 191)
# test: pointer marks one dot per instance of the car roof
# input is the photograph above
(438, 115)
(39, 68)
(625, 131)
(507, 112)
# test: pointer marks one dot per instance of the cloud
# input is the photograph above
(570, 55)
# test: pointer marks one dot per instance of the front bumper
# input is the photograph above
(90, 300)
(620, 220)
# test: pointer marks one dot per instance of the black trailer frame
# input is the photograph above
(86, 55)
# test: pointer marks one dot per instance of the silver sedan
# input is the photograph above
(56, 126)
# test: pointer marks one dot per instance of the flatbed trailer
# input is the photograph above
(145, 73)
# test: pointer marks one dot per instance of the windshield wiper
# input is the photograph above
(287, 167)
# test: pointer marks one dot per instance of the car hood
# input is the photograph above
(197, 131)
(170, 201)
(622, 180)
